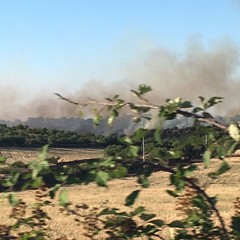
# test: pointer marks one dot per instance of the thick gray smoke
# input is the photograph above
(197, 72)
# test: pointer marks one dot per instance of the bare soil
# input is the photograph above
(65, 154)
(154, 198)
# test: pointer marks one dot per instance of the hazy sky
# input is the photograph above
(54, 45)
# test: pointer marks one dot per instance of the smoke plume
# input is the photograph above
(197, 72)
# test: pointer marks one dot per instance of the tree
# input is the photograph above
(202, 217)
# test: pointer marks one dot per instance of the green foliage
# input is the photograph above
(2, 160)
(173, 151)
(23, 136)
(125, 224)
(63, 198)
(130, 199)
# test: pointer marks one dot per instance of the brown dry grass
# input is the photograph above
(65, 154)
(154, 198)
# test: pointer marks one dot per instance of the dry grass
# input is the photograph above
(65, 154)
(154, 198)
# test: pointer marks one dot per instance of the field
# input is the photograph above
(154, 198)
(65, 154)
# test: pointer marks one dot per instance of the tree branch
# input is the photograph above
(149, 105)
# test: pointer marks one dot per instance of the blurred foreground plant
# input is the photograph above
(201, 219)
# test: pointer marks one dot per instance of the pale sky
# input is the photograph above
(54, 45)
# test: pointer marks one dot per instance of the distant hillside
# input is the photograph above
(122, 125)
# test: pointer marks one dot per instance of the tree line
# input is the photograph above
(23, 136)
(186, 143)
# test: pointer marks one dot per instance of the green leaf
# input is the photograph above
(210, 102)
(108, 162)
(115, 97)
(43, 154)
(38, 166)
(138, 109)
(138, 210)
(147, 217)
(172, 193)
(102, 178)
(139, 134)
(206, 115)
(232, 148)
(189, 170)
(144, 181)
(212, 175)
(15, 178)
(2, 160)
(53, 191)
(213, 200)
(220, 151)
(236, 224)
(234, 132)
(157, 135)
(130, 199)
(202, 99)
(157, 222)
(113, 115)
(132, 151)
(63, 198)
(136, 93)
(186, 104)
(149, 230)
(190, 139)
(143, 88)
(207, 157)
(127, 140)
(213, 101)
(41, 163)
(12, 198)
(224, 167)
(35, 173)
(97, 118)
(176, 224)
(177, 178)
(108, 211)
(110, 120)
(197, 109)
(37, 182)
(109, 99)
(119, 172)
(11, 180)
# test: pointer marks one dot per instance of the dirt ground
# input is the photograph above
(65, 154)
(154, 198)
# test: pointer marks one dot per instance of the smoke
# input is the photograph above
(197, 72)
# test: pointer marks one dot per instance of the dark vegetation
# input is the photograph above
(23, 136)
(172, 146)
(176, 145)
(186, 143)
